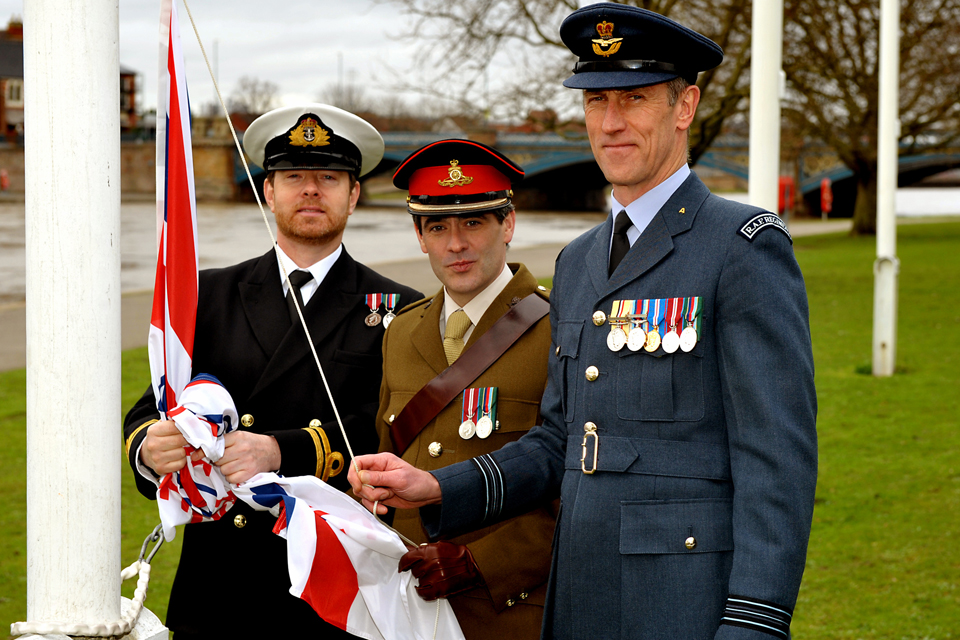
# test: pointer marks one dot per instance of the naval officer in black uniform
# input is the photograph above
(232, 579)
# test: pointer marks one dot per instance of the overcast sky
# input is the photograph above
(294, 44)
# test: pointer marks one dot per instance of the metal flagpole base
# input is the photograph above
(886, 274)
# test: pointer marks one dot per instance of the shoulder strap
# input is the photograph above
(438, 393)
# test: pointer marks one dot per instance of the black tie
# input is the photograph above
(621, 244)
(298, 278)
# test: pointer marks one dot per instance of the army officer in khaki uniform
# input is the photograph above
(460, 198)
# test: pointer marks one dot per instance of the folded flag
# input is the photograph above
(198, 492)
(343, 561)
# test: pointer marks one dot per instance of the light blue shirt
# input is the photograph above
(642, 210)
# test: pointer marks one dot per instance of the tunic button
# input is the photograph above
(314, 423)
(240, 521)
(247, 420)
(524, 596)
(435, 449)
(391, 418)
(558, 350)
(690, 542)
(592, 373)
(510, 602)
(599, 318)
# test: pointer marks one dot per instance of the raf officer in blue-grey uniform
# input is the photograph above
(679, 416)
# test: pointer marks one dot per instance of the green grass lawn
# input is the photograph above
(884, 559)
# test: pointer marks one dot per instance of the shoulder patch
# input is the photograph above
(763, 221)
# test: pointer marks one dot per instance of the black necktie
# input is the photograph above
(298, 278)
(621, 244)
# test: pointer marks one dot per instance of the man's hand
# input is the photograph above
(386, 478)
(247, 454)
(163, 448)
(442, 569)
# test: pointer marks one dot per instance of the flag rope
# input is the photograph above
(273, 239)
(276, 248)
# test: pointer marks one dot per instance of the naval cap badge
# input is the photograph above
(309, 134)
(456, 179)
(606, 39)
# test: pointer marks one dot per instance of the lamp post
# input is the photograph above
(766, 42)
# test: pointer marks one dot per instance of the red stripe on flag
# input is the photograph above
(332, 586)
(181, 261)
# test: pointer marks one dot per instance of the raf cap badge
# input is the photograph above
(606, 45)
(309, 134)
(456, 179)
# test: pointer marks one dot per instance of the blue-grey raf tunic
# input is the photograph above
(695, 524)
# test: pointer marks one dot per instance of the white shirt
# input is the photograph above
(476, 307)
(642, 210)
(318, 270)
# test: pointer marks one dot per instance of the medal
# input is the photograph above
(390, 302)
(653, 336)
(489, 407)
(638, 337)
(671, 341)
(373, 303)
(468, 427)
(617, 339)
(689, 337)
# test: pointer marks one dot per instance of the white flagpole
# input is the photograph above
(72, 166)
(886, 268)
(766, 43)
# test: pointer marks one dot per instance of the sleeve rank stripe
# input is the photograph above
(756, 614)
(493, 480)
(756, 626)
(319, 451)
(138, 430)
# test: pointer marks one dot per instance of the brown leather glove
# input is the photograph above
(443, 569)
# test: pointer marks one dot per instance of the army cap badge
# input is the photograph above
(454, 177)
(313, 136)
(621, 47)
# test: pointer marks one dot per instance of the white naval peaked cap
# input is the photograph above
(313, 136)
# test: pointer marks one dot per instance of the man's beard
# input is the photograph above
(311, 233)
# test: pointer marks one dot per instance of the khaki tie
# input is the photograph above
(457, 325)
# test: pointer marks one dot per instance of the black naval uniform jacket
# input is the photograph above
(244, 337)
(695, 524)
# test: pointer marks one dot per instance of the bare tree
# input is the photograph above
(460, 42)
(349, 97)
(831, 57)
(253, 96)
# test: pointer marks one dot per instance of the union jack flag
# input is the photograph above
(173, 321)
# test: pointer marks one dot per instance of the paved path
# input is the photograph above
(135, 307)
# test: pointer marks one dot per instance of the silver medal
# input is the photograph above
(636, 339)
(467, 429)
(484, 427)
(671, 341)
(387, 319)
(688, 339)
(616, 339)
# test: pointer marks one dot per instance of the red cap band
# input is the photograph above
(441, 181)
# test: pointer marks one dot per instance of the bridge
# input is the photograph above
(561, 172)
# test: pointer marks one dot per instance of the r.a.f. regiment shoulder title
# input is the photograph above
(606, 45)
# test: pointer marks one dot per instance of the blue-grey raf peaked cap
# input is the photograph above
(622, 47)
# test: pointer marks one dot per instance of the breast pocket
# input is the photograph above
(568, 350)
(660, 387)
